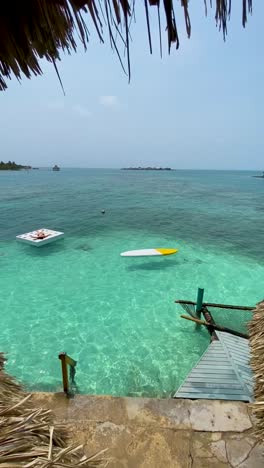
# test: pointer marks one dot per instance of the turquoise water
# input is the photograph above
(116, 315)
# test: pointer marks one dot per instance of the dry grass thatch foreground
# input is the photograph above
(256, 337)
(32, 29)
(29, 437)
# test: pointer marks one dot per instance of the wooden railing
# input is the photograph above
(65, 362)
(209, 310)
(219, 306)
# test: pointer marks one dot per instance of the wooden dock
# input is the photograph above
(223, 372)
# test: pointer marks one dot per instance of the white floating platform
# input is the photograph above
(32, 239)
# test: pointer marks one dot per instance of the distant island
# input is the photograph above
(12, 166)
(146, 169)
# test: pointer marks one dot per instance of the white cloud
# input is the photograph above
(108, 101)
(82, 111)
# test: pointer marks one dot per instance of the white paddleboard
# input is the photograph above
(148, 252)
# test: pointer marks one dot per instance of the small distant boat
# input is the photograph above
(148, 252)
(259, 176)
(56, 168)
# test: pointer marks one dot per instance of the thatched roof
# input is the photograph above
(28, 435)
(256, 337)
(32, 29)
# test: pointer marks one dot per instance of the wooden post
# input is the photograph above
(63, 358)
(199, 303)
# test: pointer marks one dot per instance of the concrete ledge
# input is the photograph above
(152, 433)
(197, 415)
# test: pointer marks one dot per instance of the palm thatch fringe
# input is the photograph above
(33, 29)
(256, 338)
(28, 435)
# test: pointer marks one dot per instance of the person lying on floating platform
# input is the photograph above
(40, 235)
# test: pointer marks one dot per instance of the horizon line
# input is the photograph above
(129, 167)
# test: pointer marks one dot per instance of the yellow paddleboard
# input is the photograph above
(148, 252)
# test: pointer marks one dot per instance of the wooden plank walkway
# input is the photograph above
(223, 372)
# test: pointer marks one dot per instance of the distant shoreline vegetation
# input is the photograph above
(146, 169)
(12, 166)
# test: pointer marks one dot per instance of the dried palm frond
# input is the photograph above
(28, 435)
(256, 339)
(32, 29)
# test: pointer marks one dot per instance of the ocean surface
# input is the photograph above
(116, 316)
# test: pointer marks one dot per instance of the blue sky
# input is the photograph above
(201, 107)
